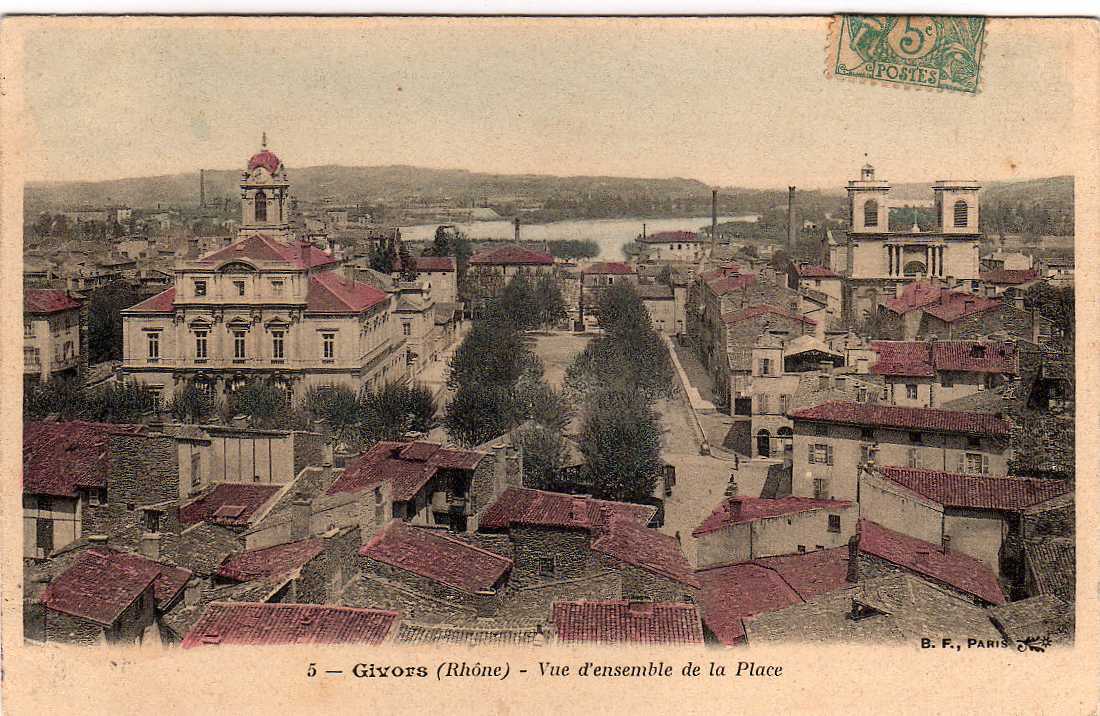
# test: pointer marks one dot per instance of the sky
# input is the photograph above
(732, 102)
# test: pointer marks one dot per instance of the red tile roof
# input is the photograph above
(620, 622)
(731, 283)
(435, 263)
(266, 159)
(264, 248)
(916, 295)
(976, 491)
(229, 504)
(670, 237)
(954, 569)
(739, 510)
(270, 624)
(511, 256)
(270, 561)
(408, 466)
(812, 573)
(924, 358)
(331, 293)
(524, 506)
(163, 302)
(617, 268)
(103, 582)
(953, 306)
(815, 272)
(48, 300)
(440, 558)
(1009, 277)
(890, 416)
(61, 458)
(734, 317)
(726, 269)
(645, 548)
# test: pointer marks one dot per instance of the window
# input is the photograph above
(870, 213)
(239, 351)
(962, 212)
(153, 339)
(976, 464)
(28, 329)
(151, 520)
(762, 403)
(196, 471)
(910, 391)
(277, 287)
(834, 523)
(913, 458)
(547, 567)
(866, 434)
(802, 549)
(821, 454)
(868, 453)
(916, 438)
(328, 346)
(406, 328)
(239, 285)
(765, 366)
(784, 403)
(261, 206)
(277, 345)
(861, 394)
(200, 345)
(200, 288)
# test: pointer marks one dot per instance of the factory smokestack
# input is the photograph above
(713, 220)
(202, 188)
(792, 229)
(517, 229)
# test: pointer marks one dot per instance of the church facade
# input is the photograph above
(876, 260)
(264, 306)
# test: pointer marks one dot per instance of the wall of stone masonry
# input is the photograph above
(642, 584)
(71, 630)
(378, 593)
(568, 547)
(485, 604)
(323, 579)
(309, 450)
(871, 567)
(533, 604)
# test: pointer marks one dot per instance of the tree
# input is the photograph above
(192, 404)
(479, 412)
(408, 264)
(539, 402)
(621, 443)
(105, 306)
(383, 258)
(543, 456)
(489, 353)
(549, 303)
(339, 410)
(121, 402)
(262, 401)
(396, 409)
(1055, 304)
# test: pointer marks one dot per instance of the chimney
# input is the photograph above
(792, 231)
(946, 543)
(202, 188)
(98, 540)
(713, 220)
(735, 507)
(500, 469)
(327, 460)
(150, 546)
(731, 489)
(853, 557)
(300, 513)
(305, 247)
(516, 224)
(643, 231)
(1035, 326)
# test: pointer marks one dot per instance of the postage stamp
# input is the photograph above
(939, 52)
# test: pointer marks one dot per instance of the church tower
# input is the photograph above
(265, 196)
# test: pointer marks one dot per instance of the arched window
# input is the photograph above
(261, 206)
(962, 212)
(870, 213)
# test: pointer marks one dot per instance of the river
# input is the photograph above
(610, 234)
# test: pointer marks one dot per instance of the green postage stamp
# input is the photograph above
(938, 52)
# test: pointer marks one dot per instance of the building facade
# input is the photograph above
(52, 332)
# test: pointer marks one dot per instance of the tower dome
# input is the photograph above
(265, 158)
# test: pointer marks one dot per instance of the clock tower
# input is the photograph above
(265, 197)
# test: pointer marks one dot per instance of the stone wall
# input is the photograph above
(533, 604)
(484, 604)
(569, 548)
(309, 450)
(378, 593)
(72, 630)
(871, 567)
(642, 585)
(325, 576)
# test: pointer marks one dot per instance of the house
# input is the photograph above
(597, 276)
(109, 595)
(660, 304)
(490, 271)
(1006, 261)
(53, 334)
(938, 308)
(745, 528)
(441, 275)
(236, 623)
(1057, 270)
(811, 280)
(897, 608)
(978, 515)
(833, 439)
(626, 623)
(682, 246)
(927, 374)
(1010, 281)
(233, 505)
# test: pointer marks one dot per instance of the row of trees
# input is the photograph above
(620, 375)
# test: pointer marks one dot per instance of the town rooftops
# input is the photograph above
(731, 283)
(950, 567)
(1052, 563)
(670, 237)
(916, 295)
(1009, 277)
(103, 582)
(229, 504)
(976, 491)
(892, 416)
(270, 562)
(615, 268)
(60, 459)
(408, 466)
(268, 624)
(924, 358)
(732, 594)
(621, 622)
(435, 263)
(1027, 618)
(331, 293)
(511, 256)
(807, 271)
(740, 510)
(538, 508)
(267, 250)
(645, 548)
(432, 554)
(734, 317)
(954, 305)
(163, 302)
(43, 301)
(467, 636)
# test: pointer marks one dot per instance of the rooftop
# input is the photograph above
(435, 263)
(408, 466)
(645, 548)
(924, 358)
(739, 510)
(814, 271)
(229, 504)
(270, 561)
(621, 622)
(466, 636)
(1009, 277)
(329, 292)
(892, 416)
(731, 283)
(617, 268)
(42, 301)
(103, 582)
(524, 506)
(163, 302)
(60, 459)
(1053, 565)
(511, 256)
(266, 249)
(953, 305)
(438, 557)
(976, 491)
(733, 317)
(269, 624)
